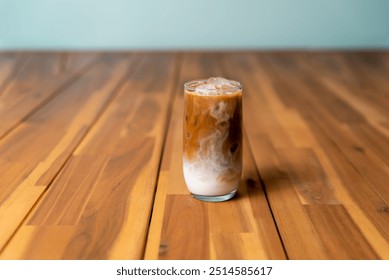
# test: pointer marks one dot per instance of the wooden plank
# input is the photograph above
(308, 177)
(369, 165)
(345, 155)
(185, 228)
(349, 157)
(32, 155)
(104, 194)
(10, 63)
(339, 69)
(373, 67)
(374, 139)
(80, 157)
(74, 61)
(335, 227)
(26, 92)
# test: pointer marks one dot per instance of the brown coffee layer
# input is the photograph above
(213, 129)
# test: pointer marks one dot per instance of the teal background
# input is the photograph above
(189, 24)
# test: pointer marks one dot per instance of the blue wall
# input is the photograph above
(191, 24)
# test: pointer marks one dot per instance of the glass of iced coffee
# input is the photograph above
(212, 158)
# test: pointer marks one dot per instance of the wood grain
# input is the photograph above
(318, 171)
(104, 193)
(36, 150)
(10, 63)
(40, 78)
(91, 157)
(184, 228)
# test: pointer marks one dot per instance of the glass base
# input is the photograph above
(214, 198)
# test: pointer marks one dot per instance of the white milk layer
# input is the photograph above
(205, 180)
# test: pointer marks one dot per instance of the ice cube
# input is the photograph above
(222, 85)
(216, 86)
(206, 89)
(218, 81)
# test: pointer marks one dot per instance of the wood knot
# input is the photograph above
(359, 149)
(251, 183)
(384, 209)
(163, 247)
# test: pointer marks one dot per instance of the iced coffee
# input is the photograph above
(212, 158)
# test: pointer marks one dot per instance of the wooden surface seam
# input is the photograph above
(91, 157)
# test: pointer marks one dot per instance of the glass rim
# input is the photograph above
(190, 85)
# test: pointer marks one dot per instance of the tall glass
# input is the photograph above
(212, 156)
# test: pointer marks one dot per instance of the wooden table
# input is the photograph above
(91, 147)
